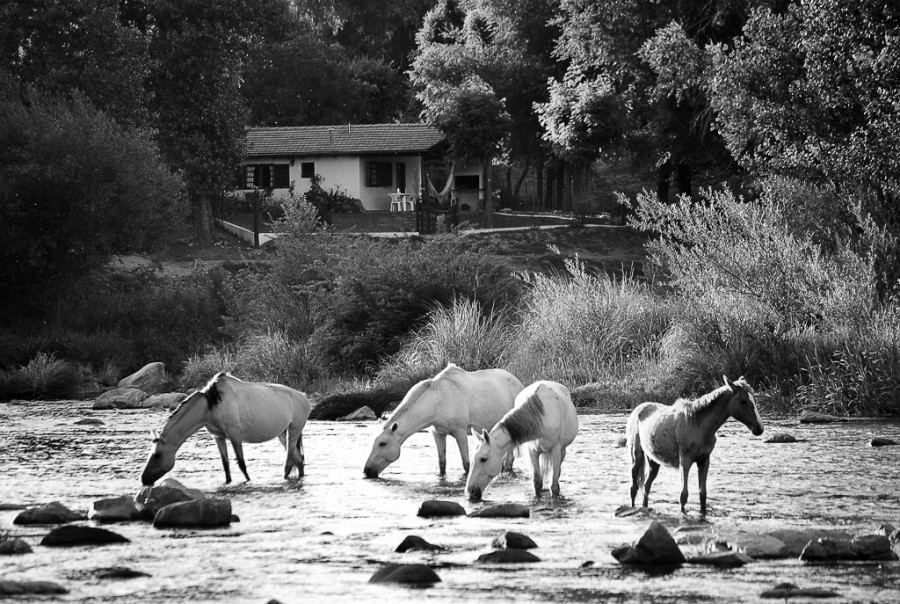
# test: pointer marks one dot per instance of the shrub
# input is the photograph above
(331, 201)
(45, 377)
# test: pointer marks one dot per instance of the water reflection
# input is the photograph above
(321, 538)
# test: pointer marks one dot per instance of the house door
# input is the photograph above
(401, 177)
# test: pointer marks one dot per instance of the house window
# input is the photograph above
(267, 176)
(379, 174)
(467, 181)
(307, 169)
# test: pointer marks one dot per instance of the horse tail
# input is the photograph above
(546, 466)
(635, 452)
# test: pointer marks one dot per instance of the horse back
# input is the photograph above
(257, 411)
(489, 395)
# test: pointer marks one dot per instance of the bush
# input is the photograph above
(45, 377)
(331, 201)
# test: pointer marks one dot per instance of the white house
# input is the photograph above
(368, 162)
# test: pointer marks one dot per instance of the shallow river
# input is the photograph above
(320, 539)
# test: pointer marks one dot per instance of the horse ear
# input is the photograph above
(729, 383)
(485, 436)
(394, 427)
(153, 435)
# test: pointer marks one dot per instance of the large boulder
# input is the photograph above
(507, 556)
(434, 507)
(167, 400)
(723, 559)
(513, 540)
(121, 398)
(872, 547)
(26, 588)
(813, 417)
(11, 547)
(51, 513)
(115, 509)
(405, 573)
(152, 499)
(174, 484)
(656, 546)
(504, 510)
(200, 513)
(363, 414)
(74, 534)
(150, 378)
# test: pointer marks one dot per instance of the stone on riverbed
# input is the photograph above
(151, 378)
(115, 509)
(864, 547)
(121, 398)
(777, 544)
(71, 535)
(26, 588)
(504, 510)
(507, 556)
(166, 400)
(878, 441)
(513, 540)
(51, 513)
(413, 543)
(152, 499)
(174, 484)
(656, 546)
(434, 507)
(12, 547)
(624, 511)
(722, 559)
(362, 414)
(89, 421)
(813, 417)
(781, 437)
(405, 573)
(200, 513)
(783, 591)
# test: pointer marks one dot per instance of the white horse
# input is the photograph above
(452, 402)
(240, 411)
(685, 433)
(544, 421)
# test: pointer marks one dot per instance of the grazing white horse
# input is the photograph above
(544, 421)
(452, 403)
(685, 433)
(239, 411)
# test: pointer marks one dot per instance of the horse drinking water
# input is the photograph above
(239, 411)
(685, 433)
(544, 421)
(452, 402)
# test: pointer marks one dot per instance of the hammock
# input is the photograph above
(442, 196)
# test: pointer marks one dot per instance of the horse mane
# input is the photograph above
(524, 422)
(210, 391)
(693, 408)
(448, 374)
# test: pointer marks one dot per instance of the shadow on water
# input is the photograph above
(321, 537)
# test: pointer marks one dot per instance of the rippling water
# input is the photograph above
(321, 539)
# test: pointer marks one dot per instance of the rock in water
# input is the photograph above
(166, 400)
(405, 573)
(71, 535)
(51, 513)
(504, 510)
(882, 442)
(513, 540)
(412, 543)
(362, 414)
(11, 547)
(201, 513)
(120, 398)
(24, 588)
(116, 509)
(433, 507)
(781, 437)
(723, 559)
(656, 546)
(151, 378)
(507, 556)
(812, 417)
(152, 499)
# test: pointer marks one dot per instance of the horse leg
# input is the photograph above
(556, 459)
(239, 453)
(685, 466)
(462, 441)
(536, 467)
(651, 476)
(301, 459)
(440, 441)
(637, 470)
(702, 470)
(223, 453)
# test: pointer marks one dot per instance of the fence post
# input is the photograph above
(256, 221)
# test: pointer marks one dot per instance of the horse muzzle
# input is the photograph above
(757, 430)
(370, 472)
(474, 494)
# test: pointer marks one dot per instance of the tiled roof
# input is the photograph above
(347, 139)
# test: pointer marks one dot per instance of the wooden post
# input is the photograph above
(256, 219)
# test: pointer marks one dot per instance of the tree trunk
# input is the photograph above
(560, 185)
(662, 181)
(525, 169)
(488, 202)
(539, 184)
(203, 217)
(683, 179)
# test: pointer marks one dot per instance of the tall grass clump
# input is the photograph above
(463, 333)
(582, 327)
(758, 295)
(45, 377)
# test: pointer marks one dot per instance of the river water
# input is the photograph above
(320, 539)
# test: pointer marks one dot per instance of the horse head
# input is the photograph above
(385, 451)
(742, 405)
(485, 465)
(160, 461)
